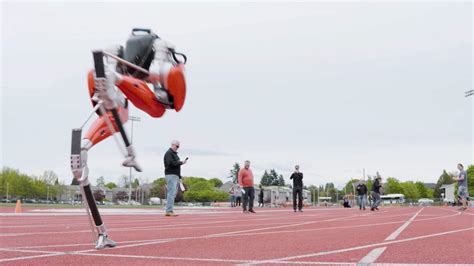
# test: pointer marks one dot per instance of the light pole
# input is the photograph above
(317, 195)
(133, 119)
(47, 196)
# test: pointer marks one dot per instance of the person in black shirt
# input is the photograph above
(260, 197)
(361, 194)
(297, 177)
(173, 175)
(376, 193)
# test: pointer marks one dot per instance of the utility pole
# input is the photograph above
(133, 119)
(7, 191)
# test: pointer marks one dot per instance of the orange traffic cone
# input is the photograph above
(18, 206)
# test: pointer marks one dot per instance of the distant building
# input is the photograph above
(447, 192)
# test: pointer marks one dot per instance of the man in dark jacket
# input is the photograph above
(297, 177)
(173, 175)
(376, 193)
(361, 194)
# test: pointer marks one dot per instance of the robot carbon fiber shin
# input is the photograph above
(81, 173)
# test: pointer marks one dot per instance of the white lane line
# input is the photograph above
(276, 261)
(375, 253)
(157, 226)
(372, 256)
(207, 259)
(32, 257)
(260, 229)
(384, 243)
(397, 232)
(253, 234)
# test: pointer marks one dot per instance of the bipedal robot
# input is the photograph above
(150, 74)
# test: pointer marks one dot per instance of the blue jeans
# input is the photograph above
(361, 201)
(171, 190)
(376, 199)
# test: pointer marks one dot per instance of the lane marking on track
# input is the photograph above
(32, 257)
(249, 262)
(259, 233)
(207, 259)
(372, 256)
(260, 229)
(135, 228)
(384, 243)
(397, 232)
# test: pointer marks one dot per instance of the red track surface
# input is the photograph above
(416, 235)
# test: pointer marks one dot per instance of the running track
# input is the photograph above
(221, 236)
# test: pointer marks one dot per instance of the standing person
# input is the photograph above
(462, 186)
(376, 193)
(246, 183)
(173, 175)
(260, 197)
(232, 195)
(361, 194)
(297, 177)
(238, 196)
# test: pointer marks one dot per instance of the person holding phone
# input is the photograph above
(172, 175)
(297, 178)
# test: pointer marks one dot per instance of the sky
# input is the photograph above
(334, 87)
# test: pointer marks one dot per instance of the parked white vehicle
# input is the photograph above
(425, 202)
(155, 201)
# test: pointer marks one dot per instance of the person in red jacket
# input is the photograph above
(245, 178)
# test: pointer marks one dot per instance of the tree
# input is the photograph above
(422, 190)
(99, 195)
(100, 182)
(272, 179)
(328, 186)
(202, 190)
(265, 181)
(410, 190)
(216, 182)
(159, 188)
(392, 186)
(111, 185)
(124, 181)
(470, 179)
(135, 183)
(48, 177)
(122, 195)
(350, 186)
(369, 183)
(445, 178)
(234, 172)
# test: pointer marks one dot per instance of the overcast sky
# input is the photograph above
(334, 87)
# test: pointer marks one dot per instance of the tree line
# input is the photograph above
(199, 189)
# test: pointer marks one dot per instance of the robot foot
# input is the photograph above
(131, 162)
(105, 242)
